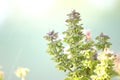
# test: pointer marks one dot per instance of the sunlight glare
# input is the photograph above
(35, 7)
(102, 3)
(3, 10)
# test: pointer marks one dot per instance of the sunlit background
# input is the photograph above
(23, 23)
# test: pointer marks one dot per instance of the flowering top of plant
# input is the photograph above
(21, 72)
(51, 35)
(79, 55)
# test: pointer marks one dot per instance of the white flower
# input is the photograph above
(21, 72)
(69, 56)
(102, 56)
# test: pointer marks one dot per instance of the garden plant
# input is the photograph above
(80, 56)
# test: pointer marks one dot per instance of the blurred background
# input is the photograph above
(23, 23)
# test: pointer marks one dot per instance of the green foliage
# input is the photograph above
(102, 42)
(78, 55)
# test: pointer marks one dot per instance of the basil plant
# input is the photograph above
(80, 56)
